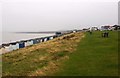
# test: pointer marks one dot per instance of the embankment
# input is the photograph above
(40, 59)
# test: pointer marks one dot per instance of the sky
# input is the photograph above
(119, 13)
(53, 15)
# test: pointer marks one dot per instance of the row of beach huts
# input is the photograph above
(24, 43)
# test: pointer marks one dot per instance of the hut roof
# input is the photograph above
(5, 45)
(13, 43)
(116, 26)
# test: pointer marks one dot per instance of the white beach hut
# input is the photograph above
(27, 43)
(11, 47)
(51, 37)
(31, 42)
(15, 46)
(41, 40)
(45, 39)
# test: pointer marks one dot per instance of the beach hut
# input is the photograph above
(17, 45)
(34, 41)
(26, 43)
(38, 40)
(51, 37)
(45, 39)
(11, 47)
(42, 40)
(14, 46)
(31, 42)
(21, 44)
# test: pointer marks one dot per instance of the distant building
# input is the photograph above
(58, 33)
(105, 28)
(116, 27)
(93, 28)
(86, 29)
(74, 31)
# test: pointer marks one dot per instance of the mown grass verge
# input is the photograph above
(95, 56)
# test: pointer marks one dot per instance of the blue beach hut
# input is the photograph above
(38, 40)
(21, 44)
(34, 41)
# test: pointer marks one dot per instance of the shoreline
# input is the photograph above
(8, 47)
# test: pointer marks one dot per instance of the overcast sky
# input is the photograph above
(51, 15)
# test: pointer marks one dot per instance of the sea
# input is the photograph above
(8, 37)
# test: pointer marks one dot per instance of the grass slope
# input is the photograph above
(95, 56)
(40, 59)
(92, 56)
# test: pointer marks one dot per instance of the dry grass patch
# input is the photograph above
(40, 59)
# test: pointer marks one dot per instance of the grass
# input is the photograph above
(95, 56)
(39, 59)
(70, 55)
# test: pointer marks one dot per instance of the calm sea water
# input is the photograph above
(11, 37)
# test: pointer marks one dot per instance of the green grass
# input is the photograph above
(95, 56)
(39, 59)
(22, 64)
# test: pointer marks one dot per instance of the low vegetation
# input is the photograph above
(40, 59)
(95, 56)
(76, 54)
